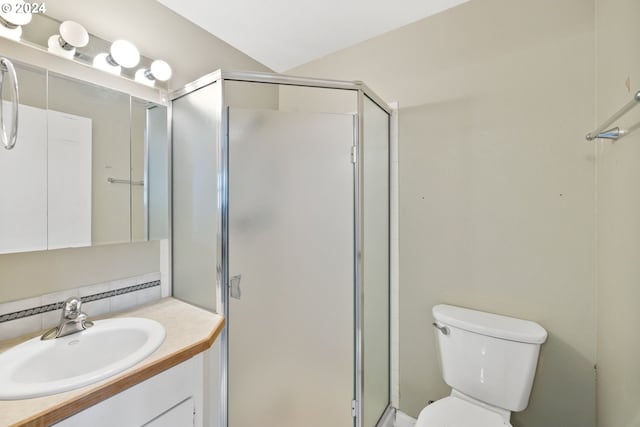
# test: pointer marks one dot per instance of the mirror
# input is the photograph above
(90, 167)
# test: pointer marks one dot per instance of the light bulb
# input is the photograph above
(11, 33)
(13, 14)
(12, 18)
(100, 62)
(124, 53)
(141, 77)
(54, 46)
(71, 35)
(160, 70)
(74, 34)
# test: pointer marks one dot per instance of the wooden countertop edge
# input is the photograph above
(118, 384)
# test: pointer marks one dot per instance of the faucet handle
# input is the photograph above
(72, 320)
(71, 308)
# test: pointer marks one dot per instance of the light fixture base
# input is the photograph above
(111, 61)
(64, 45)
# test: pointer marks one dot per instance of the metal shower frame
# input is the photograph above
(222, 237)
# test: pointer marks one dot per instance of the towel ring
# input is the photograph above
(9, 141)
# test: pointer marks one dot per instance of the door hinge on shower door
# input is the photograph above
(354, 154)
(354, 408)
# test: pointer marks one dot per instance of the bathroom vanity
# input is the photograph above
(169, 399)
(164, 389)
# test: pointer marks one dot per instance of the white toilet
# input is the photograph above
(489, 361)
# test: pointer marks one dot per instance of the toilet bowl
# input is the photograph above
(456, 411)
(489, 361)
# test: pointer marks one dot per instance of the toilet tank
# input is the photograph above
(489, 357)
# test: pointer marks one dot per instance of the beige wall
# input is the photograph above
(618, 42)
(158, 33)
(496, 184)
(36, 273)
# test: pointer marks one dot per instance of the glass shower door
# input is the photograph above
(291, 269)
(375, 276)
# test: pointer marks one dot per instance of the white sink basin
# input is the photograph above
(38, 368)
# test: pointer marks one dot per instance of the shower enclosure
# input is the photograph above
(280, 221)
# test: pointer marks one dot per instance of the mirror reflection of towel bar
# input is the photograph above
(111, 180)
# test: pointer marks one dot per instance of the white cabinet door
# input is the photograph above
(150, 401)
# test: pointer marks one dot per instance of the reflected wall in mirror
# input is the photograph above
(90, 167)
(149, 172)
(107, 113)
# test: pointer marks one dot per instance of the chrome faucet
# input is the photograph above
(72, 320)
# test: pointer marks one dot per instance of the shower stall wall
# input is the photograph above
(280, 221)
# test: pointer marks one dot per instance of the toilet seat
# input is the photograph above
(455, 412)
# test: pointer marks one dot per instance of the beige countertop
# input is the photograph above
(189, 331)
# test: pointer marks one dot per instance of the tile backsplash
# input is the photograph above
(34, 314)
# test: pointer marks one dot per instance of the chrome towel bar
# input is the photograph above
(604, 132)
(111, 180)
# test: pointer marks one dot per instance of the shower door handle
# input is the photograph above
(234, 287)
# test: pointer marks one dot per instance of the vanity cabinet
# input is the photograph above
(170, 399)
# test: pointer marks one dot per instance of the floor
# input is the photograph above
(404, 420)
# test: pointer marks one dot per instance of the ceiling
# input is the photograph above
(283, 34)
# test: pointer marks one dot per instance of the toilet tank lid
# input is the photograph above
(493, 325)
